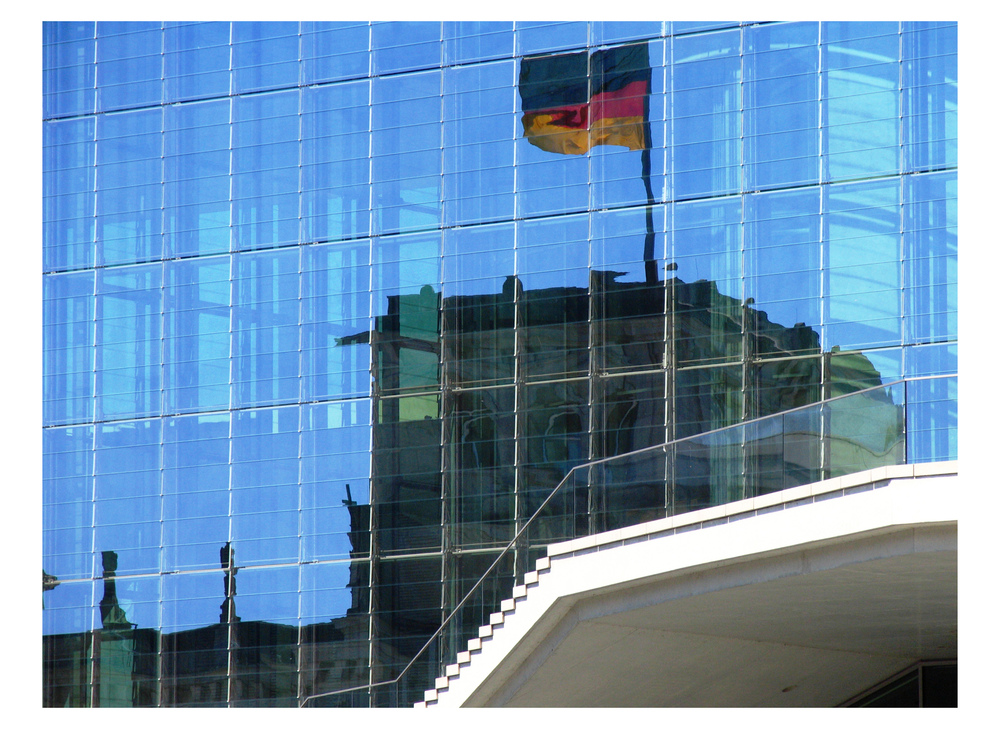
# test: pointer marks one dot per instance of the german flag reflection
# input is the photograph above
(575, 101)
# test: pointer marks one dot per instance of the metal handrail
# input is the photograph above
(590, 464)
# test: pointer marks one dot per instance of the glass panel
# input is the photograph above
(129, 65)
(553, 306)
(129, 186)
(265, 55)
(69, 69)
(68, 348)
(480, 473)
(68, 182)
(706, 102)
(863, 272)
(406, 474)
(195, 490)
(472, 41)
(541, 37)
(407, 305)
(406, 46)
(336, 516)
(266, 328)
(196, 60)
(265, 499)
(783, 266)
(336, 317)
(266, 169)
(478, 305)
(196, 334)
(406, 164)
(129, 341)
(67, 502)
(196, 174)
(334, 51)
(783, 104)
(335, 155)
(930, 95)
(127, 491)
(479, 130)
(930, 241)
(861, 99)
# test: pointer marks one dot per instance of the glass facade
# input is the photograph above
(334, 306)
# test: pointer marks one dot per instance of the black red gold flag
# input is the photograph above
(575, 101)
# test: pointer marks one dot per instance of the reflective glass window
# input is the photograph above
(406, 303)
(266, 327)
(129, 64)
(930, 239)
(542, 36)
(69, 68)
(67, 502)
(68, 348)
(406, 164)
(553, 280)
(196, 60)
(265, 55)
(127, 491)
(479, 131)
(196, 169)
(196, 490)
(784, 258)
(406, 46)
(129, 339)
(706, 103)
(860, 99)
(336, 468)
(930, 95)
(265, 176)
(129, 186)
(196, 347)
(477, 40)
(334, 51)
(336, 323)
(68, 182)
(478, 304)
(336, 161)
(861, 290)
(265, 485)
(782, 104)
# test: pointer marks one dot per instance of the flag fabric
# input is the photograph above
(575, 101)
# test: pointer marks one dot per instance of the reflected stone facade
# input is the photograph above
(331, 308)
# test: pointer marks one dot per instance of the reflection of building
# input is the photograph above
(312, 297)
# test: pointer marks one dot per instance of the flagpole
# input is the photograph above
(652, 276)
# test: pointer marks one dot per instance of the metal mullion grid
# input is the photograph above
(93, 393)
(592, 337)
(669, 363)
(901, 166)
(373, 545)
(593, 371)
(232, 290)
(299, 688)
(519, 557)
(746, 410)
(824, 257)
(446, 491)
(163, 352)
